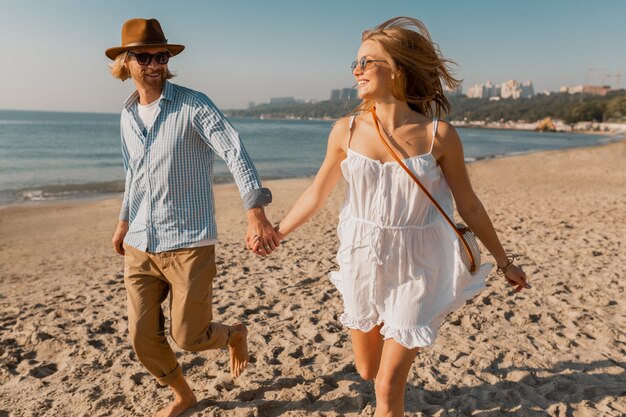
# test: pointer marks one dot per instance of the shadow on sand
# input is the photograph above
(568, 383)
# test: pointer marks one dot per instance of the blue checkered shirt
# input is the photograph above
(168, 197)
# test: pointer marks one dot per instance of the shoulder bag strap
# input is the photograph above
(458, 232)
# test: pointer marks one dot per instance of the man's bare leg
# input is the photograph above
(184, 399)
(238, 349)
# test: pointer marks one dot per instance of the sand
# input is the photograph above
(558, 349)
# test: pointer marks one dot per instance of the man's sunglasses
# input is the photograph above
(161, 58)
(363, 63)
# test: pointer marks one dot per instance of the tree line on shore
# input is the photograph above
(571, 108)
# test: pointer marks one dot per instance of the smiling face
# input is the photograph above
(374, 81)
(151, 76)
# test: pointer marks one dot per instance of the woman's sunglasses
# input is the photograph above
(363, 63)
(161, 58)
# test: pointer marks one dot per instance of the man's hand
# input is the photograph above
(261, 237)
(118, 237)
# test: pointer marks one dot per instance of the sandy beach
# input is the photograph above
(557, 350)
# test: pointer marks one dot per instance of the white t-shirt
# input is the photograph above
(147, 113)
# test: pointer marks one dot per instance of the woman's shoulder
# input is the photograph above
(445, 131)
(340, 132)
(342, 123)
(446, 140)
(346, 123)
(350, 118)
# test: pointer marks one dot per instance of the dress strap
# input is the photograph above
(350, 124)
(435, 124)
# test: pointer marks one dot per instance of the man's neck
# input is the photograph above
(148, 95)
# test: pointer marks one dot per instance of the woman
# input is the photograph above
(400, 270)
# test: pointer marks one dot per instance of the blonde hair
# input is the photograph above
(420, 69)
(120, 71)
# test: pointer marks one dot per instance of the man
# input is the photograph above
(167, 230)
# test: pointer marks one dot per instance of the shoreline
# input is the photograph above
(85, 193)
(615, 128)
(518, 129)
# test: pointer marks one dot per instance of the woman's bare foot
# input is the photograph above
(238, 349)
(184, 399)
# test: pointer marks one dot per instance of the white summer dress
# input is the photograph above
(399, 260)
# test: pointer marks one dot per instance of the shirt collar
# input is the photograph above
(168, 91)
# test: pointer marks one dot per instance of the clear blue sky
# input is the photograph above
(240, 51)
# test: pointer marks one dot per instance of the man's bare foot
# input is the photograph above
(177, 407)
(238, 349)
(184, 399)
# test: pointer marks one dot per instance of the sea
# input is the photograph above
(46, 156)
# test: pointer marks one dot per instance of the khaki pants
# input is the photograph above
(187, 276)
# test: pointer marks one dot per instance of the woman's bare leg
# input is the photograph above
(368, 347)
(393, 370)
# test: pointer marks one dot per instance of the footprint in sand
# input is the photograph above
(44, 370)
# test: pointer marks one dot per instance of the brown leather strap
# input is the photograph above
(458, 232)
(350, 126)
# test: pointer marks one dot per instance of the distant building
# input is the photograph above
(515, 90)
(282, 100)
(527, 89)
(475, 91)
(486, 90)
(593, 90)
(348, 93)
(454, 93)
(250, 104)
(508, 89)
(343, 94)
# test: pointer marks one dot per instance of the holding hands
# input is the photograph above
(261, 237)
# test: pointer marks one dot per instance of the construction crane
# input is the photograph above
(604, 75)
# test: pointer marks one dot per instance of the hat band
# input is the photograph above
(161, 42)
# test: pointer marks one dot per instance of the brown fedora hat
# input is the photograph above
(142, 32)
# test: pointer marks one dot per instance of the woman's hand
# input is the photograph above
(280, 235)
(260, 237)
(517, 277)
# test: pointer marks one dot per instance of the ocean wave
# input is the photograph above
(62, 191)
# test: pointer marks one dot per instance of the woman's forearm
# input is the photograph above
(304, 208)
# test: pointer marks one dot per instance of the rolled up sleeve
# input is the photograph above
(260, 197)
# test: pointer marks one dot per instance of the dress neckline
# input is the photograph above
(410, 158)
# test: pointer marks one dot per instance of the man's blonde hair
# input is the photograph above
(120, 71)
